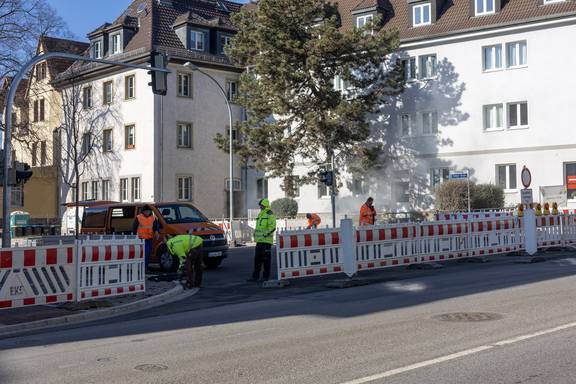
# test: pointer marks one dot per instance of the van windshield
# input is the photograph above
(180, 214)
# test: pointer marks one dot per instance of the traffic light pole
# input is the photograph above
(333, 191)
(6, 241)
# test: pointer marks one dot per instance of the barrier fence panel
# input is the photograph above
(110, 268)
(308, 252)
(41, 275)
(444, 241)
(494, 236)
(549, 231)
(569, 230)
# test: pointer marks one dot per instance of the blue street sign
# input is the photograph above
(458, 175)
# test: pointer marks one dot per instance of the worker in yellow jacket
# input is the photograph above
(188, 248)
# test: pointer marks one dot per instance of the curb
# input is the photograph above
(175, 294)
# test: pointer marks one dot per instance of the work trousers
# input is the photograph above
(262, 258)
(194, 268)
(147, 251)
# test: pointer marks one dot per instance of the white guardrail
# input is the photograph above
(61, 273)
(319, 252)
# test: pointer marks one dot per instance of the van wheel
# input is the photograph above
(212, 262)
(168, 263)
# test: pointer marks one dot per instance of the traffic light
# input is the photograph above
(327, 177)
(23, 172)
(159, 81)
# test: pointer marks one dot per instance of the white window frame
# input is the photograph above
(182, 187)
(517, 54)
(231, 90)
(493, 118)
(496, 48)
(135, 188)
(116, 43)
(180, 143)
(361, 21)
(84, 190)
(94, 184)
(129, 87)
(182, 85)
(323, 188)
(518, 107)
(87, 101)
(410, 124)
(97, 49)
(124, 187)
(107, 134)
(127, 136)
(425, 62)
(224, 41)
(106, 189)
(105, 94)
(443, 176)
(410, 69)
(236, 184)
(432, 117)
(420, 7)
(197, 44)
(507, 187)
(484, 11)
(262, 188)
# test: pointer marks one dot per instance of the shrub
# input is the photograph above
(487, 196)
(285, 208)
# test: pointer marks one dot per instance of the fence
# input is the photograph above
(317, 252)
(71, 272)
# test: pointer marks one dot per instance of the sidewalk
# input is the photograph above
(160, 289)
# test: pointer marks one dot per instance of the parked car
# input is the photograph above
(175, 219)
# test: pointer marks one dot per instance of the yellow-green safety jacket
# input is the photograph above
(182, 244)
(265, 224)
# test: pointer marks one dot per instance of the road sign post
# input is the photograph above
(462, 175)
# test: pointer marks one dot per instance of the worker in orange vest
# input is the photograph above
(368, 213)
(147, 228)
(313, 220)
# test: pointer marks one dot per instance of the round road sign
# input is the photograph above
(526, 177)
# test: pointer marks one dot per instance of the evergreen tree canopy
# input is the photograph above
(295, 52)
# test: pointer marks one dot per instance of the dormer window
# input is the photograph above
(485, 7)
(116, 43)
(224, 41)
(197, 40)
(97, 49)
(361, 21)
(421, 15)
(552, 1)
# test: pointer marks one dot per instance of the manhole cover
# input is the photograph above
(468, 316)
(151, 367)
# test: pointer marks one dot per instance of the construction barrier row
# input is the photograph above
(70, 272)
(319, 252)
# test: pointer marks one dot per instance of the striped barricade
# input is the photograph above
(494, 236)
(445, 241)
(111, 268)
(382, 246)
(41, 275)
(549, 231)
(569, 230)
(308, 253)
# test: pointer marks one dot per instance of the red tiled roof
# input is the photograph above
(54, 44)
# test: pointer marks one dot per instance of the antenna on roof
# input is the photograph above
(221, 6)
(141, 8)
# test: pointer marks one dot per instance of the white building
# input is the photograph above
(160, 148)
(488, 90)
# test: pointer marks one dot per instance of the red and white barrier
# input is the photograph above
(549, 231)
(32, 276)
(472, 215)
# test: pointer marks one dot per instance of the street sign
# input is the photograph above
(458, 175)
(526, 177)
(526, 196)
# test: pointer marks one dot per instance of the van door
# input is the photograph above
(122, 220)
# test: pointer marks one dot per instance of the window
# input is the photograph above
(231, 90)
(224, 41)
(95, 190)
(42, 110)
(107, 140)
(86, 143)
(129, 87)
(421, 15)
(106, 189)
(358, 186)
(438, 176)
(517, 55)
(84, 191)
(43, 154)
(130, 137)
(291, 186)
(405, 125)
(484, 7)
(124, 189)
(17, 196)
(401, 187)
(493, 117)
(236, 184)
(492, 57)
(570, 175)
(323, 190)
(428, 66)
(97, 49)
(361, 21)
(34, 154)
(107, 93)
(87, 98)
(36, 108)
(429, 123)
(185, 188)
(184, 135)
(518, 115)
(409, 68)
(262, 188)
(135, 191)
(116, 43)
(40, 71)
(197, 40)
(340, 84)
(184, 82)
(506, 176)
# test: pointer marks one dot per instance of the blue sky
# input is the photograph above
(83, 16)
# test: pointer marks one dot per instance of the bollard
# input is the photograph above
(348, 239)
(529, 226)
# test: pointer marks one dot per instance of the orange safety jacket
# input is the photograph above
(314, 221)
(367, 215)
(145, 227)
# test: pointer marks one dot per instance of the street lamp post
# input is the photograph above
(195, 68)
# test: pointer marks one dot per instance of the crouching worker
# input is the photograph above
(188, 248)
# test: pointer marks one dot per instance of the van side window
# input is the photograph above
(94, 218)
(122, 219)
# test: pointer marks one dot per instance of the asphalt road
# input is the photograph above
(392, 331)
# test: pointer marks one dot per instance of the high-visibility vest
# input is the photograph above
(182, 244)
(145, 227)
(265, 227)
(367, 215)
